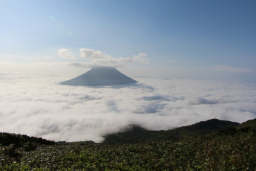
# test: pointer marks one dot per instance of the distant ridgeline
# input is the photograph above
(100, 76)
(137, 134)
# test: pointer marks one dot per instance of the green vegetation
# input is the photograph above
(210, 145)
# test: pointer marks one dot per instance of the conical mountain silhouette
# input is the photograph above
(100, 76)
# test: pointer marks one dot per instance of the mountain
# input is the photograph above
(100, 76)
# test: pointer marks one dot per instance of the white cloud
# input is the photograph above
(36, 105)
(97, 57)
(90, 53)
(65, 53)
(231, 69)
(91, 57)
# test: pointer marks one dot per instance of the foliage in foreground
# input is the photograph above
(232, 148)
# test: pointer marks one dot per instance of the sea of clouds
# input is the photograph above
(35, 104)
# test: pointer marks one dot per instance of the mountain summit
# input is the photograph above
(100, 76)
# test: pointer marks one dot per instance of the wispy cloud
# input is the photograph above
(65, 53)
(97, 57)
(90, 53)
(226, 68)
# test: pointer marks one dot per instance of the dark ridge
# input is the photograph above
(131, 134)
(100, 76)
(21, 140)
(204, 127)
(137, 134)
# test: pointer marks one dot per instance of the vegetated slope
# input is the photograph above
(100, 76)
(230, 148)
(137, 134)
(13, 145)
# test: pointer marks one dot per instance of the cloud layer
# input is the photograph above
(38, 106)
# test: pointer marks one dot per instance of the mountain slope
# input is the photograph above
(137, 134)
(100, 76)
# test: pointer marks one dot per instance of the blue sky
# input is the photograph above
(196, 33)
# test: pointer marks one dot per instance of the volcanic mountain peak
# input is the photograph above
(100, 76)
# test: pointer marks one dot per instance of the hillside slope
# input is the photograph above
(136, 134)
(210, 145)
